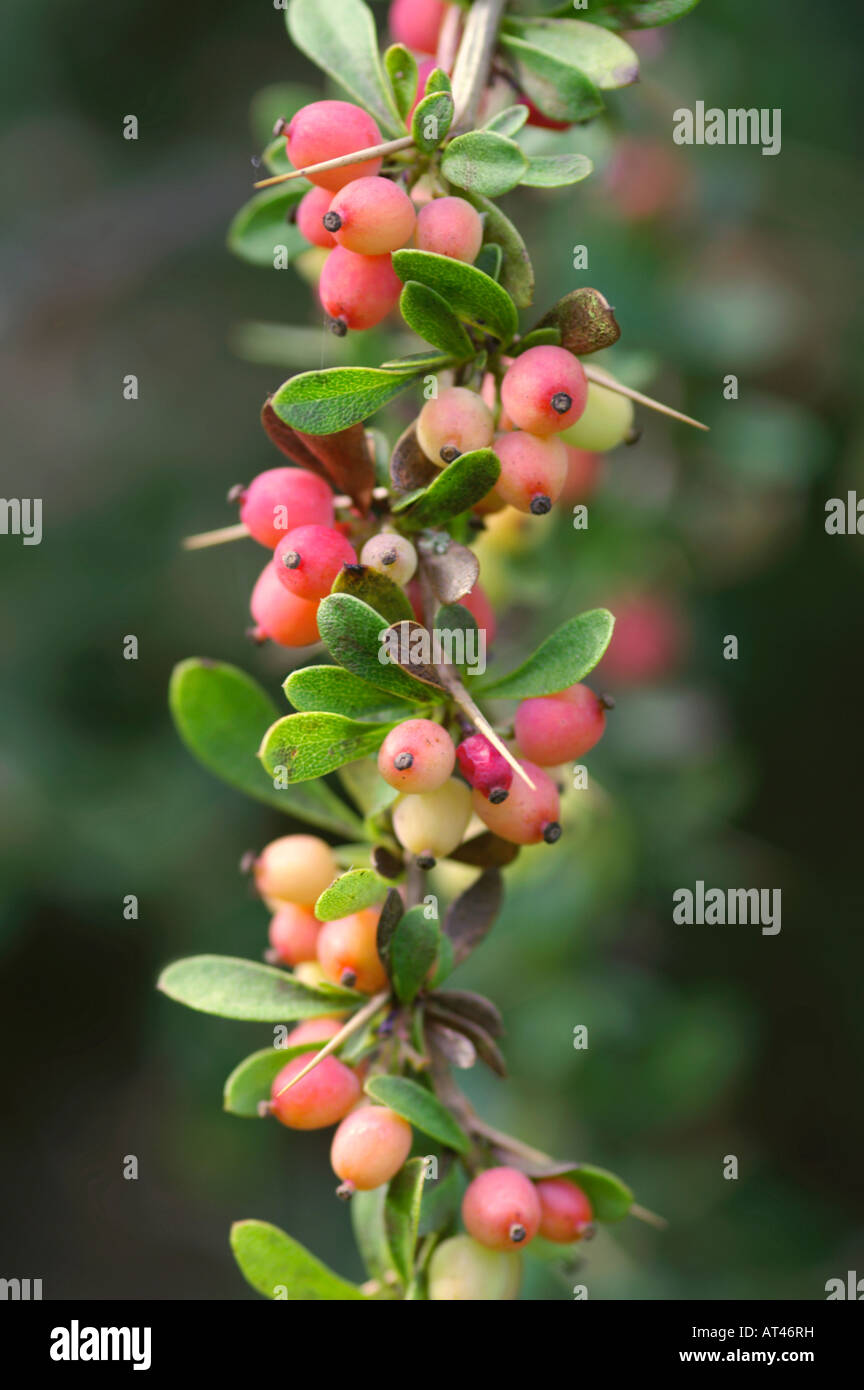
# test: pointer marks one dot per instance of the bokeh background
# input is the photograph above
(704, 1042)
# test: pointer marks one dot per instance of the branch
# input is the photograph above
(602, 380)
(356, 157)
(356, 1021)
(474, 59)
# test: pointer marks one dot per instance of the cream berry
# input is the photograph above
(390, 554)
(294, 869)
(450, 227)
(484, 768)
(454, 422)
(348, 951)
(565, 1212)
(320, 1099)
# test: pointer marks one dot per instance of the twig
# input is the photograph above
(471, 70)
(448, 38)
(356, 157)
(649, 1217)
(224, 533)
(356, 1021)
(602, 380)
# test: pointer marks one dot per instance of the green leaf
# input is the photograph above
(349, 893)
(539, 337)
(563, 659)
(484, 162)
(490, 259)
(437, 81)
(433, 117)
(367, 1222)
(639, 14)
(413, 949)
(420, 1107)
(339, 36)
(431, 318)
(251, 1080)
(365, 785)
(608, 1195)
(401, 68)
(517, 273)
(221, 714)
(302, 746)
(414, 362)
(351, 631)
(331, 400)
(471, 294)
(509, 121)
(458, 486)
(402, 1215)
(243, 989)
(556, 170)
(376, 590)
(559, 90)
(334, 690)
(603, 58)
(280, 1268)
(262, 225)
(275, 159)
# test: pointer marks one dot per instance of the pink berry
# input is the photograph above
(647, 643)
(527, 816)
(456, 421)
(279, 615)
(357, 291)
(544, 390)
(327, 129)
(553, 729)
(583, 470)
(348, 951)
(293, 934)
(371, 216)
(308, 559)
(417, 756)
(282, 498)
(533, 471)
(322, 1098)
(484, 768)
(314, 1030)
(294, 869)
(310, 214)
(369, 1147)
(450, 227)
(501, 1209)
(481, 610)
(416, 23)
(565, 1212)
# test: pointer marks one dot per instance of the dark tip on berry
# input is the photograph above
(541, 504)
(517, 1233)
(345, 1191)
(357, 570)
(561, 402)
(497, 795)
(476, 523)
(236, 493)
(247, 862)
(425, 861)
(281, 127)
(265, 1108)
(588, 1232)
(402, 761)
(339, 327)
(551, 832)
(332, 221)
(450, 453)
(607, 701)
(389, 557)
(348, 978)
(291, 560)
(633, 436)
(257, 635)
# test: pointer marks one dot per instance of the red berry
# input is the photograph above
(533, 471)
(527, 816)
(310, 214)
(369, 1147)
(327, 129)
(314, 1030)
(309, 558)
(416, 23)
(565, 1212)
(501, 1209)
(454, 422)
(290, 621)
(320, 1099)
(484, 768)
(371, 216)
(294, 869)
(293, 934)
(417, 756)
(348, 951)
(282, 498)
(358, 291)
(553, 729)
(544, 390)
(450, 227)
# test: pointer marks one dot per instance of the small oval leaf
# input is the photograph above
(563, 659)
(420, 1108)
(349, 893)
(280, 1268)
(243, 989)
(484, 162)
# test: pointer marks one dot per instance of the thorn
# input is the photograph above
(247, 861)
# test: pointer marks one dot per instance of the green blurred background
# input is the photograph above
(703, 1042)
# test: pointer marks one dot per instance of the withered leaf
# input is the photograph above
(409, 467)
(343, 459)
(471, 916)
(486, 851)
(455, 1046)
(452, 572)
(391, 914)
(475, 1007)
(585, 320)
(410, 642)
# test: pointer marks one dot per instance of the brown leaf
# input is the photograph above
(471, 916)
(486, 851)
(475, 1007)
(409, 467)
(586, 321)
(342, 459)
(459, 1050)
(385, 863)
(452, 573)
(420, 670)
(480, 1040)
(391, 914)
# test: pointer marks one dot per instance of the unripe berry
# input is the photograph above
(606, 421)
(533, 471)
(280, 615)
(463, 1271)
(392, 555)
(369, 1147)
(348, 951)
(501, 1209)
(314, 1030)
(327, 129)
(431, 824)
(544, 390)
(293, 934)
(454, 422)
(294, 869)
(484, 768)
(553, 729)
(309, 558)
(450, 227)
(565, 1212)
(527, 816)
(310, 214)
(417, 756)
(358, 291)
(371, 216)
(282, 498)
(320, 1099)
(309, 973)
(416, 23)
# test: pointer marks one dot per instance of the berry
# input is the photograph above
(314, 1030)
(417, 756)
(309, 972)
(320, 1099)
(325, 130)
(392, 555)
(533, 471)
(501, 1209)
(371, 216)
(293, 934)
(309, 558)
(450, 227)
(463, 1271)
(565, 1212)
(431, 824)
(544, 390)
(606, 421)
(527, 816)
(416, 23)
(553, 729)
(454, 422)
(282, 498)
(348, 951)
(369, 1147)
(647, 643)
(484, 768)
(536, 117)
(310, 213)
(480, 608)
(294, 869)
(358, 291)
(583, 470)
(279, 615)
